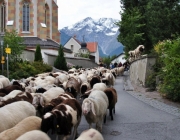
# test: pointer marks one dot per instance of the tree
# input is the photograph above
(131, 29)
(60, 62)
(38, 55)
(147, 22)
(15, 42)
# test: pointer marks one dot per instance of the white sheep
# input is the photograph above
(28, 124)
(4, 82)
(13, 113)
(34, 135)
(46, 97)
(12, 94)
(95, 107)
(90, 134)
(109, 78)
(138, 51)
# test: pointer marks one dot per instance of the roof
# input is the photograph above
(44, 44)
(92, 46)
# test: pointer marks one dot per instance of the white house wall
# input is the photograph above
(119, 59)
(76, 45)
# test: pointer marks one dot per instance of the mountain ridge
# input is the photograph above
(103, 30)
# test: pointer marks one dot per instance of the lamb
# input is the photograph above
(95, 107)
(46, 97)
(34, 135)
(13, 113)
(64, 118)
(28, 124)
(112, 98)
(90, 134)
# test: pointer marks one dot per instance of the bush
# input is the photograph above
(38, 55)
(26, 69)
(169, 56)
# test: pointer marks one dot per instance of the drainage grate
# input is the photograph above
(115, 133)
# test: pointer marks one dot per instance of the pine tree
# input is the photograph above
(60, 62)
(38, 55)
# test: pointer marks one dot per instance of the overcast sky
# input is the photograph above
(72, 11)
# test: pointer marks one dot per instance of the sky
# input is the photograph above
(73, 11)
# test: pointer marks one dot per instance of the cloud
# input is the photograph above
(72, 11)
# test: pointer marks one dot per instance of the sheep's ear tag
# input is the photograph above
(57, 126)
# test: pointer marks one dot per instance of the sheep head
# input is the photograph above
(87, 107)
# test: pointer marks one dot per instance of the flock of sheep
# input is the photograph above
(55, 102)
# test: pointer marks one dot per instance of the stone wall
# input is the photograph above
(84, 62)
(140, 69)
(50, 58)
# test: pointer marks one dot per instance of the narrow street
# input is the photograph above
(137, 120)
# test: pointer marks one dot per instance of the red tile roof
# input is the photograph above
(92, 46)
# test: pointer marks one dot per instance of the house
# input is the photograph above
(36, 21)
(119, 58)
(78, 48)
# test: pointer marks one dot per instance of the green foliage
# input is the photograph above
(143, 22)
(85, 55)
(131, 29)
(15, 42)
(60, 62)
(107, 60)
(169, 56)
(26, 69)
(38, 55)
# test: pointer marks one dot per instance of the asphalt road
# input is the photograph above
(137, 120)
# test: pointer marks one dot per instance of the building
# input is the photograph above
(34, 20)
(78, 47)
(119, 58)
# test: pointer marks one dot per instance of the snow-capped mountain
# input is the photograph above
(103, 30)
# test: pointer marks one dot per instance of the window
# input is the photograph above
(72, 47)
(3, 17)
(26, 16)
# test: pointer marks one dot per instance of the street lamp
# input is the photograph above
(2, 57)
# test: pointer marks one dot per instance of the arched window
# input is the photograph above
(26, 16)
(3, 17)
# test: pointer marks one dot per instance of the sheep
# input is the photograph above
(73, 86)
(90, 134)
(54, 102)
(85, 86)
(46, 97)
(97, 86)
(64, 118)
(19, 97)
(10, 95)
(34, 135)
(109, 79)
(95, 79)
(13, 113)
(112, 98)
(4, 81)
(6, 90)
(95, 107)
(28, 124)
(138, 51)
